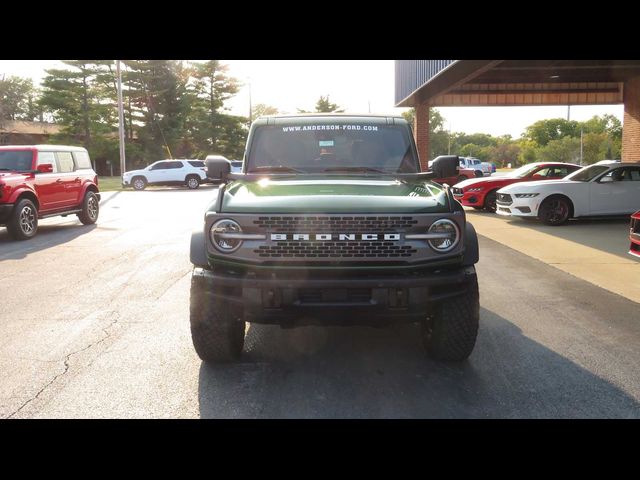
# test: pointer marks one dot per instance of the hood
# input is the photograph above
(485, 181)
(6, 175)
(334, 195)
(131, 172)
(538, 184)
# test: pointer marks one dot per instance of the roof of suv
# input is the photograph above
(323, 117)
(46, 148)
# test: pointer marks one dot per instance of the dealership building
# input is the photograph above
(423, 84)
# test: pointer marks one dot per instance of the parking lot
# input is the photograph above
(95, 324)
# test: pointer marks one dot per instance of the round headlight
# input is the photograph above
(449, 232)
(220, 240)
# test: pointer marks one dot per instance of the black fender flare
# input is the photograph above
(198, 251)
(471, 250)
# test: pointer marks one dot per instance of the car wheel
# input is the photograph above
(23, 223)
(479, 173)
(490, 201)
(449, 332)
(193, 182)
(217, 328)
(139, 183)
(555, 210)
(90, 209)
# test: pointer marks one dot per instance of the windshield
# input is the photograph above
(588, 173)
(18, 160)
(523, 171)
(332, 148)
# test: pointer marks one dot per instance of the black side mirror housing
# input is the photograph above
(445, 166)
(218, 169)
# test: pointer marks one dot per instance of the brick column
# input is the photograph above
(631, 121)
(421, 133)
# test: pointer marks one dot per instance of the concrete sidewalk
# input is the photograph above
(592, 250)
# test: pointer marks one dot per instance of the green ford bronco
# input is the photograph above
(331, 222)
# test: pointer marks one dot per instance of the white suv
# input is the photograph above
(167, 172)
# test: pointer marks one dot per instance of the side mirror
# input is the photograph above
(218, 169)
(445, 166)
(606, 180)
(45, 168)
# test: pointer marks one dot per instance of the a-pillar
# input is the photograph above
(421, 133)
(631, 125)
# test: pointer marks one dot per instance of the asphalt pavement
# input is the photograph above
(94, 324)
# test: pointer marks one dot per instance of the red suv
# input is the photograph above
(39, 181)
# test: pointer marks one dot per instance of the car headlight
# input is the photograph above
(443, 235)
(526, 195)
(224, 235)
(475, 189)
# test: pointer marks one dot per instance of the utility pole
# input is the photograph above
(568, 112)
(120, 119)
(580, 146)
(449, 138)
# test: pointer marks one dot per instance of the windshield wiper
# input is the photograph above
(353, 169)
(275, 169)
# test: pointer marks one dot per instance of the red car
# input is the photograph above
(481, 192)
(39, 181)
(634, 234)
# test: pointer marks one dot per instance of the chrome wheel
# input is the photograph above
(139, 184)
(27, 220)
(193, 183)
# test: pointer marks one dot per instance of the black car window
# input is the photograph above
(160, 166)
(19, 160)
(174, 165)
(197, 164)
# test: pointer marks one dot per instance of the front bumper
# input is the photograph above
(471, 199)
(338, 299)
(519, 207)
(5, 212)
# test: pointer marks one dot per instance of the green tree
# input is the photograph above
(262, 109)
(323, 105)
(82, 106)
(18, 99)
(544, 131)
(565, 149)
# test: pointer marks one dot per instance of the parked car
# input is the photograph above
(480, 193)
(236, 166)
(462, 175)
(488, 168)
(473, 163)
(603, 189)
(634, 234)
(189, 172)
(39, 181)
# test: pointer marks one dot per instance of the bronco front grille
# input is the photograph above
(359, 249)
(351, 224)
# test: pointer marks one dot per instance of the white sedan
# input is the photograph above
(605, 188)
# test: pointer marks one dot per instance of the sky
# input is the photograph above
(358, 86)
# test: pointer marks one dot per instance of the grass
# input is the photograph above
(109, 184)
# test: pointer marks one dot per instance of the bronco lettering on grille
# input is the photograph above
(334, 236)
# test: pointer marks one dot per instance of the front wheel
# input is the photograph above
(449, 332)
(217, 328)
(555, 211)
(490, 201)
(23, 223)
(139, 183)
(90, 209)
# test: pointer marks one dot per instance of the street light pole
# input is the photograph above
(581, 147)
(120, 119)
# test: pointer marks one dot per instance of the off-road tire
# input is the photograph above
(217, 330)
(90, 209)
(139, 183)
(449, 333)
(23, 223)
